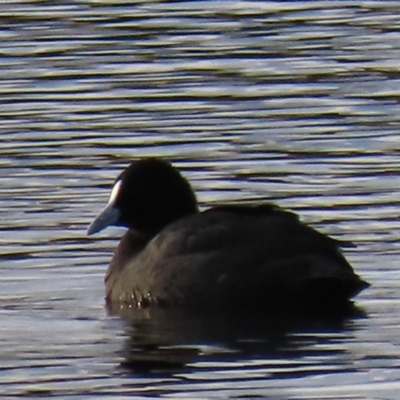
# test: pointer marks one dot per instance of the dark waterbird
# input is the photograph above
(258, 256)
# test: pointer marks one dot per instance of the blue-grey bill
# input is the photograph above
(108, 216)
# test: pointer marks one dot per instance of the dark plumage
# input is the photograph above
(173, 255)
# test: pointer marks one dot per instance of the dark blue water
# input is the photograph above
(292, 102)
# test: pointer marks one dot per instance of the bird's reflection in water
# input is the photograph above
(170, 339)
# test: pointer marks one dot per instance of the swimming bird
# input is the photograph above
(172, 254)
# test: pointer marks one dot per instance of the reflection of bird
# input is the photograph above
(240, 255)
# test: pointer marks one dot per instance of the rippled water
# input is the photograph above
(296, 103)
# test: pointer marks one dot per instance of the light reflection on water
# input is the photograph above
(254, 101)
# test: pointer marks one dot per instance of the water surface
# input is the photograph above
(292, 102)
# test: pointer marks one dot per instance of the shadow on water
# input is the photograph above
(171, 339)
